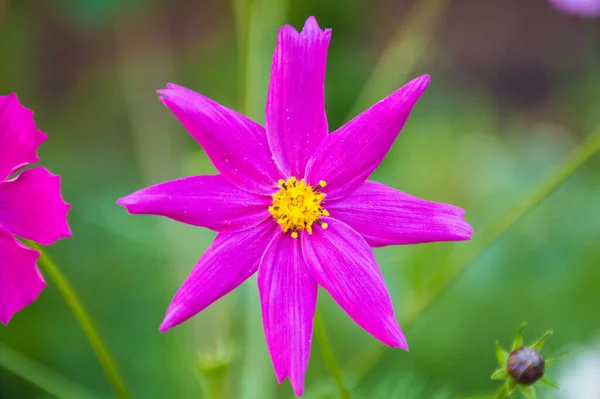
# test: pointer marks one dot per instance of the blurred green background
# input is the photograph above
(515, 87)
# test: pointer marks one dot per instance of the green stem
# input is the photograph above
(459, 261)
(500, 394)
(329, 357)
(85, 322)
(256, 22)
(41, 376)
(242, 15)
(213, 383)
(213, 369)
(402, 53)
(216, 389)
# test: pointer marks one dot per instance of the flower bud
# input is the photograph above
(525, 365)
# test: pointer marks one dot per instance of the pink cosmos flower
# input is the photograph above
(291, 201)
(580, 8)
(30, 207)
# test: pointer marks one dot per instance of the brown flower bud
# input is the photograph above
(525, 365)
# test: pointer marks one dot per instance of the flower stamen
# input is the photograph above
(321, 184)
(296, 206)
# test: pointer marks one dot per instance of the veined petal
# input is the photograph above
(342, 263)
(31, 207)
(295, 119)
(205, 201)
(20, 280)
(288, 295)
(228, 262)
(385, 216)
(19, 138)
(236, 145)
(349, 155)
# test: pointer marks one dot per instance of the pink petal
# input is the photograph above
(288, 296)
(295, 120)
(581, 8)
(342, 263)
(205, 201)
(236, 145)
(20, 280)
(19, 138)
(31, 207)
(385, 216)
(228, 262)
(347, 157)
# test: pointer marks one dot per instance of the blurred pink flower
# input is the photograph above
(30, 207)
(292, 202)
(581, 8)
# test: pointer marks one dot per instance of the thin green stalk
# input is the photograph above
(500, 394)
(257, 22)
(459, 261)
(241, 13)
(488, 396)
(85, 322)
(41, 376)
(213, 382)
(262, 19)
(402, 53)
(216, 389)
(213, 369)
(329, 357)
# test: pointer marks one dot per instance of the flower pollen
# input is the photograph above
(296, 206)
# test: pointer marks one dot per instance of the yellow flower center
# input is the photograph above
(296, 206)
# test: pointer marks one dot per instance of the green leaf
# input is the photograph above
(550, 362)
(501, 394)
(511, 385)
(256, 23)
(403, 52)
(518, 342)
(501, 354)
(540, 342)
(546, 381)
(499, 374)
(528, 392)
(41, 376)
(86, 324)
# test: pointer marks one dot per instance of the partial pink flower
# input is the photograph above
(292, 201)
(580, 8)
(31, 207)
